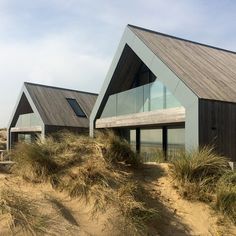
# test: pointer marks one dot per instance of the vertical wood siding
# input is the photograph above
(217, 126)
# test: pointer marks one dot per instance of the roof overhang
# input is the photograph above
(179, 89)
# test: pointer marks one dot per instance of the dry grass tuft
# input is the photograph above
(203, 175)
(136, 214)
(34, 162)
(116, 149)
(96, 170)
(226, 195)
(22, 215)
(197, 172)
(3, 139)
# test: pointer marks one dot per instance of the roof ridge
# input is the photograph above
(178, 38)
(54, 87)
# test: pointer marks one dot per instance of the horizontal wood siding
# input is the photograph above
(217, 126)
(166, 116)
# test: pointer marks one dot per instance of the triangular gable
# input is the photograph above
(176, 86)
(23, 97)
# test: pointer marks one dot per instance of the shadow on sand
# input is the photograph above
(63, 210)
(167, 223)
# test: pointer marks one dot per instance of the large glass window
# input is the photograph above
(149, 97)
(175, 140)
(156, 96)
(126, 102)
(150, 143)
(28, 120)
(27, 137)
(110, 108)
(132, 139)
(153, 141)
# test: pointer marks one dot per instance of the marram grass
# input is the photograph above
(94, 170)
(197, 172)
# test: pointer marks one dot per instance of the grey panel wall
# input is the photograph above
(217, 126)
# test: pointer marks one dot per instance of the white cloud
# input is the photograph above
(70, 43)
(52, 61)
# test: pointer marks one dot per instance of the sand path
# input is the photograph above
(180, 217)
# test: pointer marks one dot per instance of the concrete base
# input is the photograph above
(232, 165)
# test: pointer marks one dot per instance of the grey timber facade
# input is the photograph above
(42, 109)
(179, 92)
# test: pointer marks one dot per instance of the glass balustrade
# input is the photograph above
(150, 97)
(28, 120)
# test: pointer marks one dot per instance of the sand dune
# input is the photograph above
(177, 216)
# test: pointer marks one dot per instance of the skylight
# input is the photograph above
(76, 107)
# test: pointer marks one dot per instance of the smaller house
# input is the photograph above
(41, 110)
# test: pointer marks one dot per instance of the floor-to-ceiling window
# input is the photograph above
(27, 137)
(150, 143)
(132, 139)
(157, 142)
(175, 140)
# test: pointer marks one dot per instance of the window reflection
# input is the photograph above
(150, 97)
(27, 120)
(175, 140)
(133, 139)
(150, 143)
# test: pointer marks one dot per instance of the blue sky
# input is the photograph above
(70, 43)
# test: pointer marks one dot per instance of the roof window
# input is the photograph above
(76, 107)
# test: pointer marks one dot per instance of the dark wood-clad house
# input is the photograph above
(41, 110)
(169, 93)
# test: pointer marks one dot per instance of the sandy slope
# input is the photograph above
(72, 212)
(179, 216)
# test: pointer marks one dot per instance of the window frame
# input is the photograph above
(75, 106)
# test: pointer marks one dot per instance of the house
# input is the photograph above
(166, 93)
(41, 110)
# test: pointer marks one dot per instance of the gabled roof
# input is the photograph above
(208, 71)
(53, 107)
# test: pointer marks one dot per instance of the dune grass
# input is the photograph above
(226, 195)
(34, 162)
(3, 139)
(197, 172)
(205, 176)
(22, 214)
(96, 170)
(135, 213)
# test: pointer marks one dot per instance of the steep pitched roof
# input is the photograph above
(53, 107)
(208, 71)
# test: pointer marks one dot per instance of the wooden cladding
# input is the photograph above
(217, 126)
(165, 116)
(54, 109)
(208, 71)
